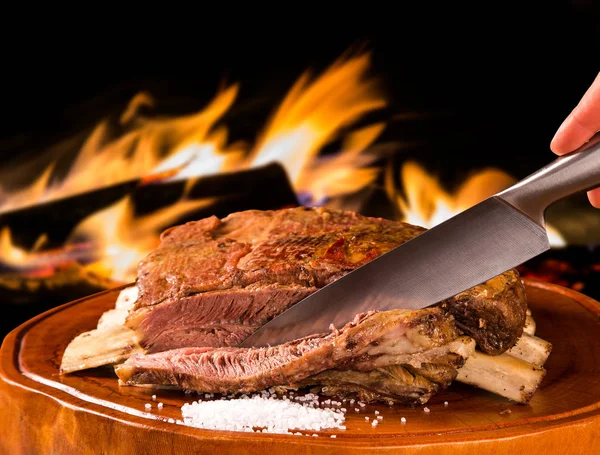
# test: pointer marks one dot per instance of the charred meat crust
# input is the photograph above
(493, 313)
(394, 383)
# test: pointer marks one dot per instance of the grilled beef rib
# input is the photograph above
(213, 282)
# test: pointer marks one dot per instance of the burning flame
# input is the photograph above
(315, 113)
(311, 116)
(11, 254)
(121, 239)
(425, 203)
(134, 148)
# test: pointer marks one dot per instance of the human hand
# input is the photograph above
(581, 124)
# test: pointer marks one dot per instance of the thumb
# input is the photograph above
(581, 124)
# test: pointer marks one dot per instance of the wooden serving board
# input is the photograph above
(42, 412)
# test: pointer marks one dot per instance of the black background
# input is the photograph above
(498, 80)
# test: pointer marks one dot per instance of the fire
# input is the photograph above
(425, 203)
(147, 148)
(311, 116)
(315, 113)
(136, 147)
(121, 239)
(10, 254)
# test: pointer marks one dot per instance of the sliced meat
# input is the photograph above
(367, 338)
(219, 318)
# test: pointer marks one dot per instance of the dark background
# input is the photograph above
(489, 85)
(496, 81)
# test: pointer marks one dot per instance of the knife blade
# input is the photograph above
(468, 249)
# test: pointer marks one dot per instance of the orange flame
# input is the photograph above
(121, 240)
(138, 147)
(10, 254)
(426, 203)
(312, 115)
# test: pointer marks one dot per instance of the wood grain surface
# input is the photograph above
(43, 412)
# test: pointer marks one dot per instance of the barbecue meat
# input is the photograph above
(492, 313)
(427, 340)
(213, 282)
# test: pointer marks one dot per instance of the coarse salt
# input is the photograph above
(160, 405)
(445, 403)
(270, 414)
(426, 409)
(403, 420)
(147, 405)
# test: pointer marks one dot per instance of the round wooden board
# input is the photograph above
(88, 412)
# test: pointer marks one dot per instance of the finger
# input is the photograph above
(581, 124)
(594, 197)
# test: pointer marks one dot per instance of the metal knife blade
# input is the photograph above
(468, 249)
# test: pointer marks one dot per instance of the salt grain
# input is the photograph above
(153, 397)
(376, 412)
(403, 420)
(333, 436)
(375, 422)
(270, 414)
(445, 403)
(147, 405)
(160, 405)
(380, 417)
(357, 410)
(426, 409)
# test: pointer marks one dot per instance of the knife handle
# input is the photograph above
(569, 174)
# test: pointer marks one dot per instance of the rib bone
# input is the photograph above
(504, 375)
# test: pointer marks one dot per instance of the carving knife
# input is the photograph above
(468, 249)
